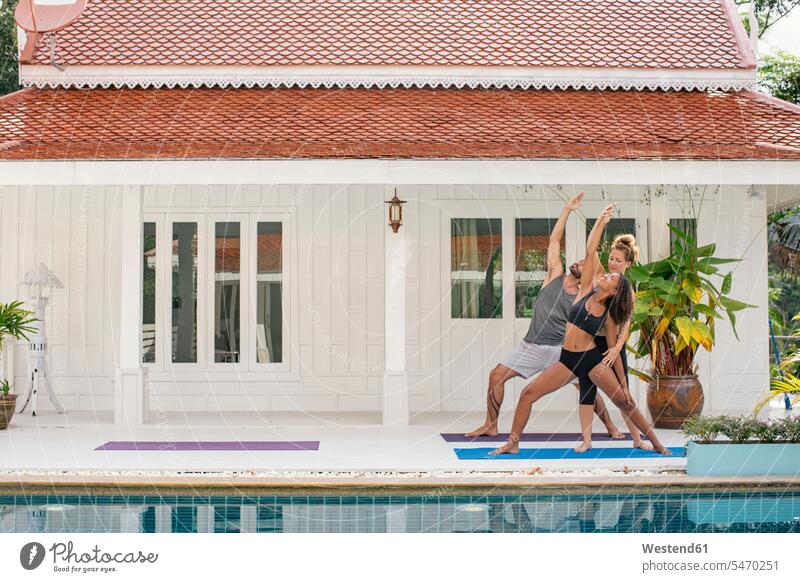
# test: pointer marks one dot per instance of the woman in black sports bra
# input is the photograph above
(580, 357)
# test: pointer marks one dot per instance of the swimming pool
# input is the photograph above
(697, 512)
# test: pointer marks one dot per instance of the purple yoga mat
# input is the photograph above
(209, 446)
(528, 437)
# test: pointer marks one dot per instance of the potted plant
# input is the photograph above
(751, 446)
(677, 306)
(8, 403)
(15, 322)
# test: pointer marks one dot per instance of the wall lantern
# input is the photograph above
(395, 212)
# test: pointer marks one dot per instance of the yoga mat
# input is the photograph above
(478, 454)
(209, 446)
(528, 437)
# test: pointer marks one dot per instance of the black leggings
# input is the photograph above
(580, 364)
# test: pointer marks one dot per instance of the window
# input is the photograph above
(214, 292)
(149, 292)
(184, 292)
(532, 237)
(615, 227)
(476, 268)
(269, 304)
(227, 291)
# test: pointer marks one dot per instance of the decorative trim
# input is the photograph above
(739, 33)
(407, 82)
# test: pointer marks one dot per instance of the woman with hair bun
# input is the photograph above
(624, 252)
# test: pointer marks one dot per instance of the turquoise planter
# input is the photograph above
(729, 459)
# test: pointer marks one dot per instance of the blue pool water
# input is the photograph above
(649, 512)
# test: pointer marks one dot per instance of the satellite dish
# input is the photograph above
(47, 15)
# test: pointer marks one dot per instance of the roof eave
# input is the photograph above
(87, 76)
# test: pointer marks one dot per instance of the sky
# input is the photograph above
(784, 35)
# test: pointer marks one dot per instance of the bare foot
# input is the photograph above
(485, 430)
(583, 447)
(510, 448)
(644, 445)
(663, 450)
(614, 433)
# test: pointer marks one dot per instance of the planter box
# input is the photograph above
(729, 459)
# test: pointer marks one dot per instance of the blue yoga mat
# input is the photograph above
(478, 454)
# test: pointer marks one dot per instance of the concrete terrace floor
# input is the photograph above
(348, 442)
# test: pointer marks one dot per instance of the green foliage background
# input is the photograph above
(8, 48)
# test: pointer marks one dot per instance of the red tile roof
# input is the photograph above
(397, 123)
(693, 34)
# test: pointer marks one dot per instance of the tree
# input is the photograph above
(768, 13)
(779, 75)
(9, 77)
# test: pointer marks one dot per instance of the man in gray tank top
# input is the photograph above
(541, 346)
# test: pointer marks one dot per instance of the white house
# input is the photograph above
(209, 180)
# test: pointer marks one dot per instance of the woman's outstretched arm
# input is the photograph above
(590, 262)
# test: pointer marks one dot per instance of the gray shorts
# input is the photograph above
(530, 359)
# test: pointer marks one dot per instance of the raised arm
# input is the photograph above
(591, 261)
(554, 266)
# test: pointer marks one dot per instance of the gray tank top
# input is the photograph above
(549, 321)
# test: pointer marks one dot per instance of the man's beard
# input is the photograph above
(575, 271)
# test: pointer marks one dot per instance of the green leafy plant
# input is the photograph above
(767, 432)
(678, 304)
(742, 429)
(788, 429)
(789, 385)
(15, 321)
(704, 429)
(5, 387)
(779, 75)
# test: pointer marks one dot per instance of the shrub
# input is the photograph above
(742, 429)
(788, 429)
(767, 432)
(704, 428)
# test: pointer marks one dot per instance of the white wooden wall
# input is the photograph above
(71, 230)
(340, 232)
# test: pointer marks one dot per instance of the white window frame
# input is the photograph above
(166, 293)
(158, 220)
(289, 291)
(212, 218)
(206, 369)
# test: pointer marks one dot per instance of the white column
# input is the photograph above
(576, 239)
(395, 376)
(658, 232)
(129, 386)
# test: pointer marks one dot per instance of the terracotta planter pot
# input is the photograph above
(673, 399)
(7, 405)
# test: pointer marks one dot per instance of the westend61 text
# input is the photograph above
(65, 553)
(671, 549)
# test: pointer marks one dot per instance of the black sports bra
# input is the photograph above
(580, 317)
